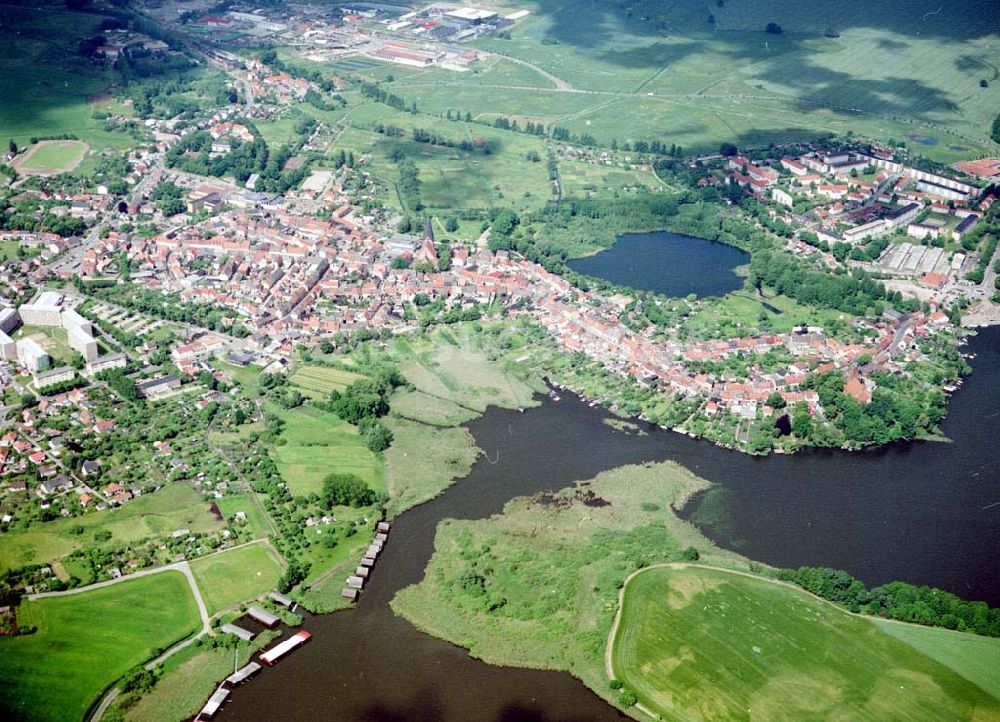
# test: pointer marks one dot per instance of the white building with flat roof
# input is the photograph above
(79, 339)
(8, 349)
(32, 356)
(46, 310)
(783, 197)
(473, 16)
(71, 318)
(55, 376)
(10, 319)
(109, 361)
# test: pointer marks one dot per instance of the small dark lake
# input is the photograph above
(668, 263)
(923, 512)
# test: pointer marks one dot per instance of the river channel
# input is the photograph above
(917, 512)
(924, 512)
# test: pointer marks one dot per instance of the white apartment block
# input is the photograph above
(8, 349)
(32, 356)
(46, 310)
(10, 319)
(110, 361)
(79, 339)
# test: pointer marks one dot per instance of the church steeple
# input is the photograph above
(427, 253)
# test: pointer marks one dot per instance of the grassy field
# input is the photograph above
(177, 506)
(740, 314)
(318, 444)
(451, 178)
(47, 87)
(245, 376)
(322, 380)
(971, 656)
(256, 519)
(188, 679)
(235, 576)
(330, 567)
(537, 585)
(421, 406)
(699, 644)
(50, 338)
(280, 130)
(53, 155)
(591, 180)
(8, 250)
(697, 75)
(450, 365)
(454, 381)
(87, 641)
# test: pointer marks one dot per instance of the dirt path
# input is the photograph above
(561, 85)
(182, 567)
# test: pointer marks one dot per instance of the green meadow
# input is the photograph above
(53, 155)
(703, 644)
(317, 443)
(424, 460)
(698, 75)
(257, 520)
(662, 71)
(450, 365)
(322, 380)
(537, 585)
(451, 178)
(189, 678)
(451, 380)
(86, 641)
(234, 576)
(47, 87)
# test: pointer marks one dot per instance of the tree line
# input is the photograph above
(897, 600)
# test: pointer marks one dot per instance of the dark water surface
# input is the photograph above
(917, 512)
(922, 512)
(669, 263)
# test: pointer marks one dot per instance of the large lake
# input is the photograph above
(918, 512)
(668, 263)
